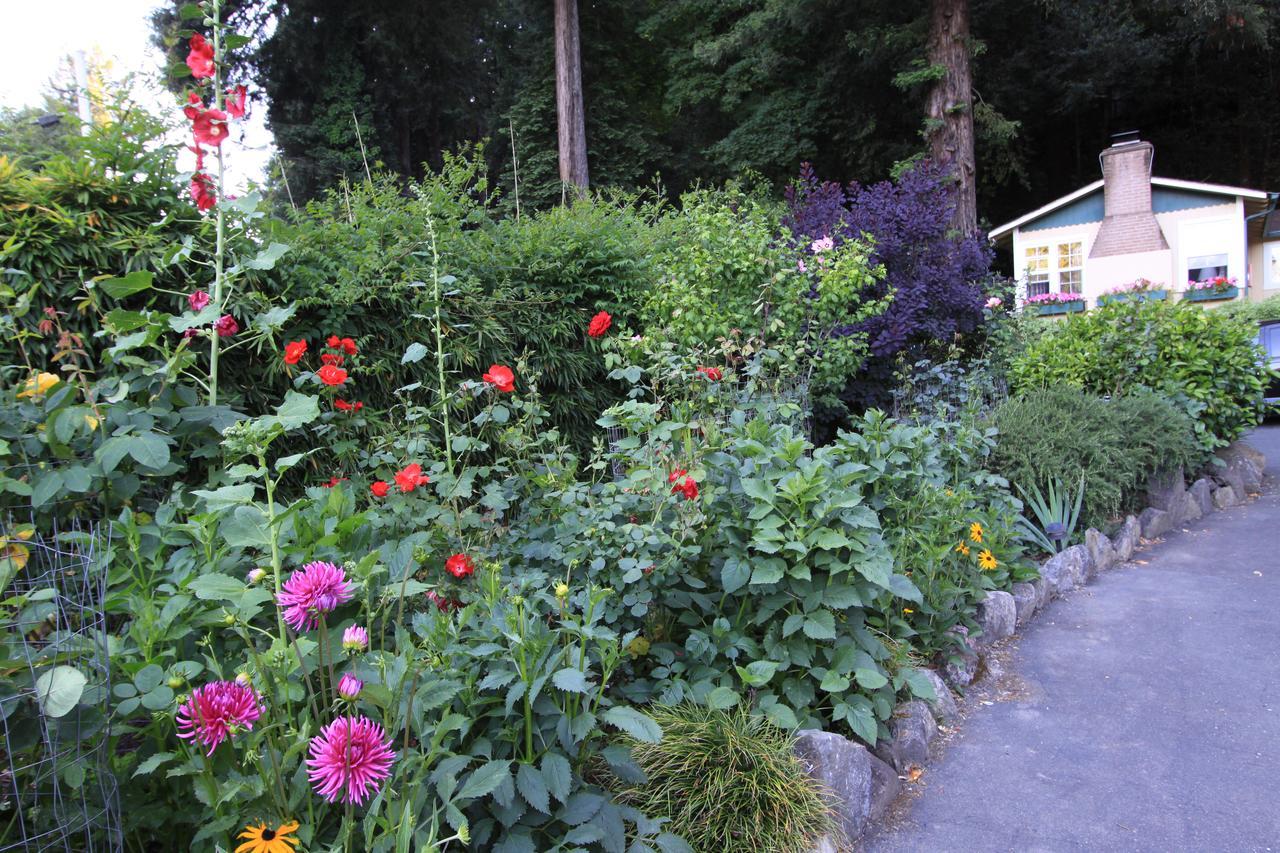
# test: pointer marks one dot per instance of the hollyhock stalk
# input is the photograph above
(444, 399)
(218, 268)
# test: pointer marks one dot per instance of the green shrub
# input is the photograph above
(1205, 360)
(729, 782)
(1115, 444)
(1253, 312)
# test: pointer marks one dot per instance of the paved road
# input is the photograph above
(1140, 713)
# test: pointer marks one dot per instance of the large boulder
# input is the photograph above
(1128, 538)
(1166, 488)
(1188, 509)
(1025, 600)
(1042, 592)
(1230, 477)
(1225, 496)
(1155, 522)
(959, 664)
(1101, 551)
(911, 729)
(1062, 572)
(885, 786)
(1247, 465)
(843, 768)
(997, 616)
(1202, 492)
(943, 705)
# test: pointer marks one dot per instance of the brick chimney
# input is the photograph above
(1129, 225)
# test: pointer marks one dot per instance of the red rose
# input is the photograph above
(334, 342)
(380, 488)
(333, 481)
(460, 566)
(690, 489)
(202, 191)
(192, 109)
(501, 378)
(676, 475)
(599, 324)
(226, 326)
(235, 101)
(331, 374)
(200, 59)
(348, 407)
(210, 127)
(293, 351)
(411, 477)
(348, 346)
(712, 373)
(331, 358)
(683, 484)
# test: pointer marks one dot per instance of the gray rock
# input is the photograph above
(912, 729)
(1166, 488)
(885, 786)
(1042, 592)
(943, 706)
(1189, 509)
(1127, 538)
(997, 617)
(1155, 522)
(1059, 573)
(1250, 474)
(1101, 550)
(843, 768)
(1225, 496)
(1202, 491)
(1244, 450)
(959, 665)
(1232, 477)
(1025, 600)
(825, 844)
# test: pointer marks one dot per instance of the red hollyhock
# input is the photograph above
(331, 358)
(460, 566)
(599, 324)
(712, 373)
(226, 326)
(198, 299)
(236, 101)
(202, 191)
(200, 58)
(210, 127)
(411, 477)
(333, 481)
(331, 374)
(293, 351)
(343, 405)
(676, 475)
(194, 105)
(348, 346)
(380, 488)
(501, 378)
(689, 489)
(683, 484)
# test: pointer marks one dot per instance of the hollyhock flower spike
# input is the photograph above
(200, 57)
(226, 326)
(349, 687)
(315, 589)
(332, 375)
(501, 378)
(349, 760)
(194, 105)
(355, 639)
(460, 566)
(294, 351)
(712, 373)
(203, 192)
(236, 101)
(210, 127)
(218, 711)
(198, 300)
(599, 324)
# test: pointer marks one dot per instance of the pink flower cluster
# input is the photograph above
(1053, 298)
(216, 711)
(1141, 285)
(315, 589)
(1218, 283)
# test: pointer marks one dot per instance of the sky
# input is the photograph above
(37, 34)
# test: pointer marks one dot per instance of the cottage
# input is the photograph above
(1131, 235)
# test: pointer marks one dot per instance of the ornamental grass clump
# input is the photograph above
(728, 781)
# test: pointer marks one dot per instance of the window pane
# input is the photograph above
(1070, 282)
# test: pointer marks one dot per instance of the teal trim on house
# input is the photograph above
(1089, 208)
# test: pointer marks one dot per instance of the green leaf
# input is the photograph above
(485, 780)
(768, 571)
(111, 452)
(558, 775)
(149, 450)
(204, 317)
(782, 716)
(414, 353)
(634, 723)
(153, 762)
(149, 677)
(45, 488)
(135, 282)
(296, 410)
(266, 259)
(921, 686)
(226, 497)
(216, 586)
(722, 698)
(571, 680)
(59, 689)
(834, 682)
(832, 540)
(820, 625)
(758, 673)
(274, 318)
(734, 575)
(531, 786)
(870, 679)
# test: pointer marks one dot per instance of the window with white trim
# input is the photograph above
(1070, 267)
(1037, 266)
(1205, 267)
(1056, 267)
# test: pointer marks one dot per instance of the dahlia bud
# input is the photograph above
(349, 687)
(562, 591)
(243, 678)
(256, 575)
(355, 639)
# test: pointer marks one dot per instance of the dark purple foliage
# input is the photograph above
(936, 276)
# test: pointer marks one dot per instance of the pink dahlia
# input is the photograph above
(349, 687)
(217, 711)
(355, 639)
(349, 760)
(314, 589)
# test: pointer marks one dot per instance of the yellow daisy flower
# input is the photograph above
(38, 384)
(908, 611)
(987, 561)
(262, 839)
(975, 532)
(963, 548)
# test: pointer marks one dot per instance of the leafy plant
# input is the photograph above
(1056, 515)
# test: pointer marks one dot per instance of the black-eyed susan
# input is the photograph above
(975, 532)
(963, 548)
(264, 839)
(987, 561)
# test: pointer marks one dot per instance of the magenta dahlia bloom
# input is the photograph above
(349, 760)
(355, 639)
(216, 711)
(349, 687)
(312, 590)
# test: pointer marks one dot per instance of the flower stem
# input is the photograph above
(439, 328)
(221, 215)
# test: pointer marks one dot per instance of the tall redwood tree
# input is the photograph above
(571, 122)
(949, 112)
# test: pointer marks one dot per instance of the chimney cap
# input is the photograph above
(1125, 137)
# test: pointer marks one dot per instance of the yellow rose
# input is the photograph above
(38, 384)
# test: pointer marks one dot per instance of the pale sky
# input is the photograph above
(36, 34)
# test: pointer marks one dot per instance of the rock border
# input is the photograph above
(865, 783)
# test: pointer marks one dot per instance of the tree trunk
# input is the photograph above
(950, 108)
(571, 123)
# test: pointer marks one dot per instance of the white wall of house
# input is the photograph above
(1264, 268)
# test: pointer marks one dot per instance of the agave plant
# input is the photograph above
(1056, 515)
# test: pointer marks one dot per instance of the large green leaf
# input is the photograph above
(149, 450)
(135, 282)
(634, 723)
(485, 780)
(216, 586)
(59, 689)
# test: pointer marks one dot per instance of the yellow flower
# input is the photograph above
(562, 591)
(38, 384)
(261, 839)
(639, 647)
(91, 421)
(975, 532)
(963, 549)
(987, 560)
(949, 493)
(907, 610)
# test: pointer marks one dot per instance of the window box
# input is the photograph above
(1044, 309)
(1135, 296)
(1211, 295)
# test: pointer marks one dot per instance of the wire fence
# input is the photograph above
(56, 788)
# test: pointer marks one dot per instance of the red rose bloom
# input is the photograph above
(599, 324)
(411, 477)
(226, 326)
(689, 489)
(235, 101)
(333, 481)
(331, 358)
(210, 127)
(293, 351)
(200, 58)
(192, 109)
(334, 342)
(331, 374)
(712, 373)
(348, 346)
(501, 378)
(343, 405)
(460, 566)
(202, 191)
(676, 475)
(683, 484)
(380, 488)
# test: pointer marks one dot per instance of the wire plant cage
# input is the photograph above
(56, 788)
